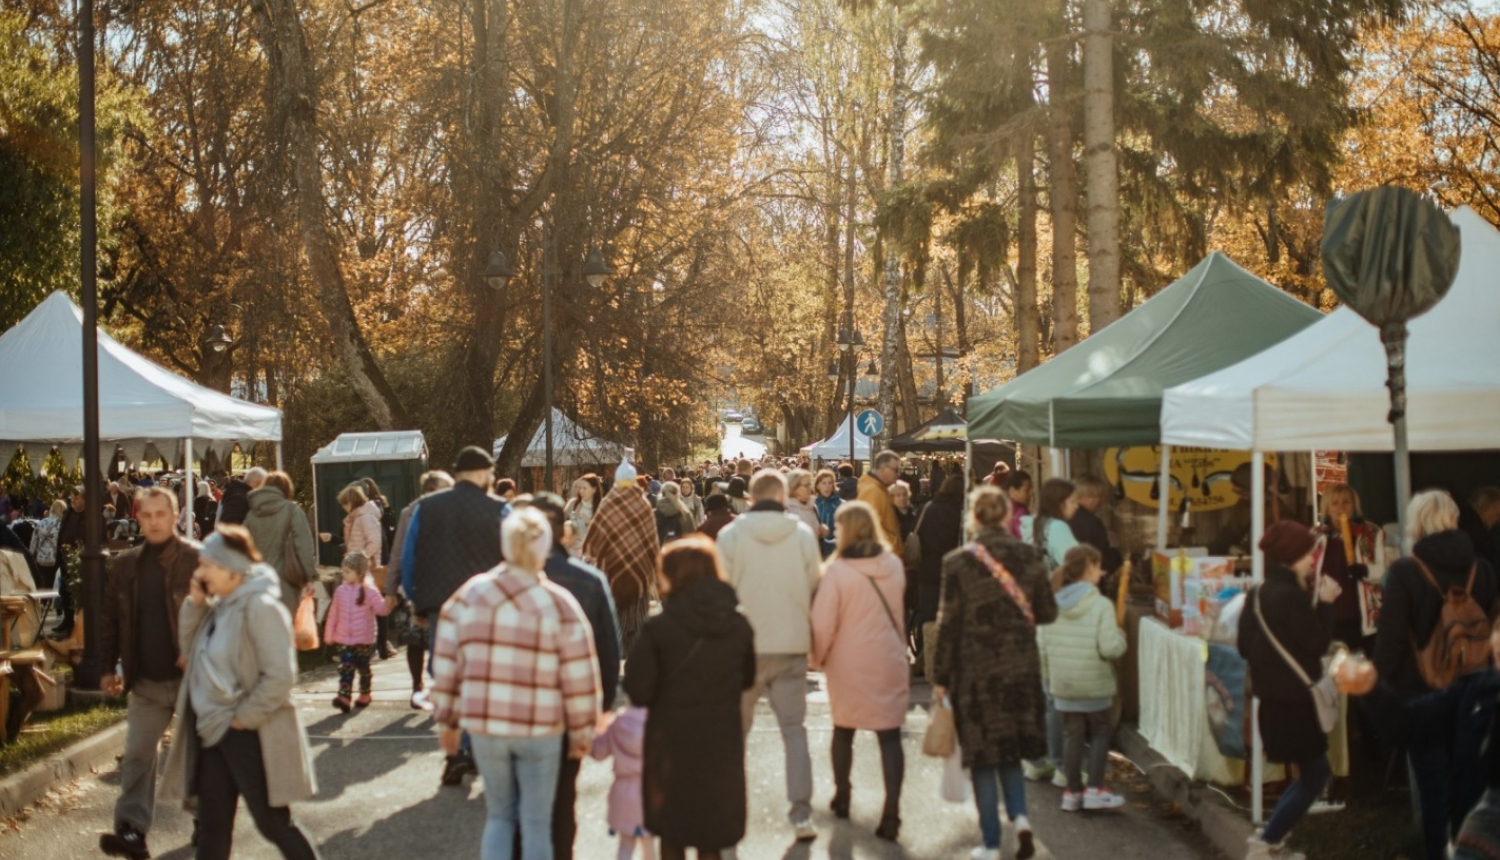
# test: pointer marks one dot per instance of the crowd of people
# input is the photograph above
(644, 622)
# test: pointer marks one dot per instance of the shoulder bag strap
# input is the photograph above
(1276, 643)
(1007, 581)
(1427, 573)
(884, 603)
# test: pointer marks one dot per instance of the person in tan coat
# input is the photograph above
(874, 490)
(859, 640)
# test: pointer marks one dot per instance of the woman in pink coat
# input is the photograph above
(361, 529)
(859, 641)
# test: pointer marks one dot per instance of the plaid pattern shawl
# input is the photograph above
(622, 542)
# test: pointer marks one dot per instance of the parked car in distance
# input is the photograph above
(733, 416)
(752, 425)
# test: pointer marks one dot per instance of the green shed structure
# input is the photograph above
(396, 460)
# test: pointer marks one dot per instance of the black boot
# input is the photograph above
(126, 841)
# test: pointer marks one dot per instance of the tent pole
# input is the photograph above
(1164, 503)
(1258, 569)
(279, 467)
(1313, 491)
(187, 481)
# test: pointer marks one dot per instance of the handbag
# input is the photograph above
(911, 551)
(292, 569)
(940, 738)
(305, 627)
(1324, 693)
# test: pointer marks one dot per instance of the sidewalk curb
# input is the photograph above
(22, 789)
(1224, 826)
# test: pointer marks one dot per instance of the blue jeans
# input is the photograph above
(1312, 778)
(989, 783)
(520, 782)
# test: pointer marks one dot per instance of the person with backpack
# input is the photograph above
(1438, 607)
(1284, 638)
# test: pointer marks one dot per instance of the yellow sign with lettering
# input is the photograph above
(1202, 475)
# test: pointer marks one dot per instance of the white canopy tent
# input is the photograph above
(571, 446)
(1324, 387)
(141, 404)
(836, 447)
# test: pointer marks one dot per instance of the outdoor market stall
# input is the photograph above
(1107, 391)
(572, 447)
(947, 435)
(836, 447)
(141, 404)
(1325, 387)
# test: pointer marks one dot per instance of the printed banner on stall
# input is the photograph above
(1202, 475)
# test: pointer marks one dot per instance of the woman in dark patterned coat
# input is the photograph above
(995, 591)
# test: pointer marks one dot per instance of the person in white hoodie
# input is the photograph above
(1077, 653)
(772, 559)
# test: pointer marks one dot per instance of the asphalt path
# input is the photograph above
(379, 797)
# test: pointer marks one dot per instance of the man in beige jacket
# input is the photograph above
(772, 560)
(874, 490)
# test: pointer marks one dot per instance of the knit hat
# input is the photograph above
(737, 487)
(716, 502)
(624, 474)
(472, 459)
(1286, 542)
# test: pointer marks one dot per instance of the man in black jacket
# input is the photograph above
(453, 534)
(234, 507)
(589, 587)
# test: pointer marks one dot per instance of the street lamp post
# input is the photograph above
(849, 342)
(497, 273)
(91, 669)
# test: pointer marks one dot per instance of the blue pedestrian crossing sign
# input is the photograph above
(870, 422)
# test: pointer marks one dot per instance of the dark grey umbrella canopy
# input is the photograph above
(1389, 253)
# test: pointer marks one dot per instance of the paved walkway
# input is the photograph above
(378, 770)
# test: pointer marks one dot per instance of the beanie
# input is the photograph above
(716, 502)
(1286, 542)
(472, 459)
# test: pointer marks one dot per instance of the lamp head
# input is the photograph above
(595, 270)
(497, 272)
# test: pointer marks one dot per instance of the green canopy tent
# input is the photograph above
(1107, 390)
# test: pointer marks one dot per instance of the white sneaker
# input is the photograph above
(1096, 799)
(1071, 802)
(1060, 780)
(1257, 849)
(804, 831)
(985, 854)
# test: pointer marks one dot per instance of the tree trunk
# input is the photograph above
(1101, 164)
(482, 185)
(292, 86)
(1064, 200)
(961, 325)
(891, 318)
(1028, 320)
(911, 410)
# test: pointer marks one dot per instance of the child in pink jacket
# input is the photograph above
(625, 739)
(351, 628)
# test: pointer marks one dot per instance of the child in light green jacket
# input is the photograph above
(1077, 653)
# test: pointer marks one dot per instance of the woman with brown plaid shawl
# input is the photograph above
(622, 542)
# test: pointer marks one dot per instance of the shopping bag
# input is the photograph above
(941, 737)
(955, 785)
(305, 627)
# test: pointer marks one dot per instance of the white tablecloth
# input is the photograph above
(1174, 715)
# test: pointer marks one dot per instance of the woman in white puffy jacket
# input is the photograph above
(1078, 651)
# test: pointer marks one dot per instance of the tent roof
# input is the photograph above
(836, 447)
(365, 447)
(571, 446)
(1324, 388)
(138, 400)
(1107, 390)
(914, 441)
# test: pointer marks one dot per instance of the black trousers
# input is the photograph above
(564, 808)
(892, 767)
(230, 770)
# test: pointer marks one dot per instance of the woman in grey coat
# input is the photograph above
(237, 733)
(278, 524)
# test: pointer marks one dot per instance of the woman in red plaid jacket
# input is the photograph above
(515, 667)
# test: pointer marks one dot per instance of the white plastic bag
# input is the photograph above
(955, 785)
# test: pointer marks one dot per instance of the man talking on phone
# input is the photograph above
(138, 629)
